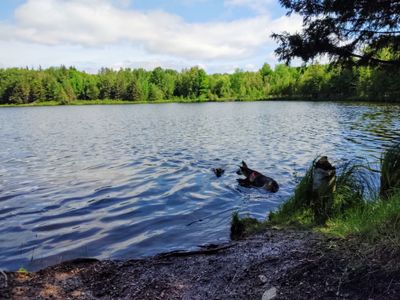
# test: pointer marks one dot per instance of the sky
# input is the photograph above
(216, 35)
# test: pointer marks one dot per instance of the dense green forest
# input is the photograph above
(316, 82)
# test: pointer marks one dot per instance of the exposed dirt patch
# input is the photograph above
(300, 265)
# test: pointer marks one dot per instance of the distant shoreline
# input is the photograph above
(129, 102)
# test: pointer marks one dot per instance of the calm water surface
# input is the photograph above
(130, 181)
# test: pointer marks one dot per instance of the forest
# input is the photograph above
(65, 85)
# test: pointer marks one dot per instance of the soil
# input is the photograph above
(278, 264)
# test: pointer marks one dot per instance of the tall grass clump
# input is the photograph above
(297, 209)
(390, 172)
(302, 208)
(352, 187)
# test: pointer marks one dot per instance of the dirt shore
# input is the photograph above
(291, 264)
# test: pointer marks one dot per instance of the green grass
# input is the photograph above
(119, 102)
(46, 103)
(297, 209)
(357, 211)
(374, 221)
(241, 227)
(353, 186)
(390, 172)
(92, 102)
(174, 100)
(22, 271)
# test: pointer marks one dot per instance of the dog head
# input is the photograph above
(244, 170)
(218, 171)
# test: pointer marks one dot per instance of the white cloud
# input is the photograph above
(92, 25)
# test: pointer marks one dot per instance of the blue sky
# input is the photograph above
(217, 35)
(208, 10)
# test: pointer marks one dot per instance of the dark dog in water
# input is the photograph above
(218, 171)
(256, 179)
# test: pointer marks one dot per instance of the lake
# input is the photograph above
(127, 181)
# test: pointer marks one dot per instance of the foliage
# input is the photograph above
(390, 172)
(155, 93)
(365, 32)
(22, 270)
(317, 82)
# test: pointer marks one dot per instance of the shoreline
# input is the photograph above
(292, 263)
(177, 101)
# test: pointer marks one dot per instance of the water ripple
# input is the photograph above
(132, 181)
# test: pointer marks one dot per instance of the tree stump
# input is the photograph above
(324, 185)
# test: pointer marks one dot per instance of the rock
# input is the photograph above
(269, 294)
(5, 279)
(262, 278)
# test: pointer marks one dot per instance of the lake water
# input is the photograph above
(130, 181)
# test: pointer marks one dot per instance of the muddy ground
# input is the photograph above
(290, 264)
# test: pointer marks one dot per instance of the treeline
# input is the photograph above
(316, 82)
